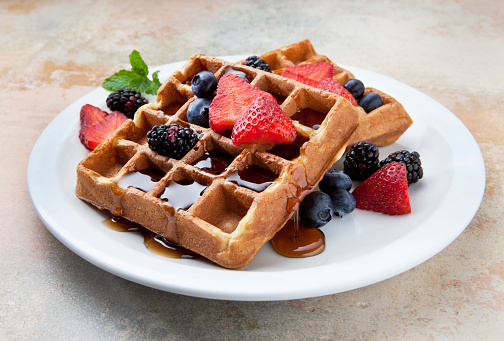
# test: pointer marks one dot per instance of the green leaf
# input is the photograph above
(139, 83)
(137, 64)
(118, 80)
(154, 85)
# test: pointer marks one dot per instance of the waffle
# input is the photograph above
(247, 194)
(382, 126)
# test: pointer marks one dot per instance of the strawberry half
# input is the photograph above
(264, 122)
(233, 97)
(330, 85)
(385, 191)
(91, 115)
(309, 74)
(91, 135)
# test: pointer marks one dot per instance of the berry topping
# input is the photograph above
(331, 85)
(411, 160)
(355, 87)
(371, 101)
(233, 97)
(343, 202)
(241, 74)
(333, 180)
(257, 63)
(264, 122)
(309, 74)
(203, 84)
(94, 131)
(197, 113)
(126, 101)
(316, 209)
(386, 191)
(172, 140)
(361, 161)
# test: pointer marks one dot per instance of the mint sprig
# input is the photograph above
(135, 79)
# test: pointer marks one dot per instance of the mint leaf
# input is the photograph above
(135, 79)
(137, 63)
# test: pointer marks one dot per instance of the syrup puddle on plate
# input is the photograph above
(153, 242)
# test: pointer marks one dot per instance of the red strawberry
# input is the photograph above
(233, 97)
(331, 85)
(309, 74)
(264, 122)
(91, 115)
(385, 191)
(92, 135)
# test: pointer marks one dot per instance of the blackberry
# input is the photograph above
(361, 161)
(126, 101)
(411, 160)
(258, 63)
(172, 140)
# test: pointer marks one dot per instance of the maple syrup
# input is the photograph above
(172, 108)
(309, 117)
(295, 240)
(154, 242)
(288, 151)
(143, 180)
(213, 161)
(182, 194)
(278, 96)
(253, 177)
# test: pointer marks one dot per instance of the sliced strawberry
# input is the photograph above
(92, 135)
(233, 97)
(331, 85)
(264, 122)
(385, 191)
(91, 115)
(309, 74)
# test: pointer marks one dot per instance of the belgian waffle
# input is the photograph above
(229, 218)
(382, 126)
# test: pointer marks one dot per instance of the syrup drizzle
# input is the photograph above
(153, 242)
(253, 177)
(295, 240)
(183, 193)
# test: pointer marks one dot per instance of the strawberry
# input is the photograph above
(91, 135)
(385, 191)
(233, 97)
(330, 85)
(263, 122)
(309, 74)
(91, 115)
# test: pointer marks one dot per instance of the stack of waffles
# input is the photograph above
(221, 200)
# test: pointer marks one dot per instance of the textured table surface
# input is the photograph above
(54, 52)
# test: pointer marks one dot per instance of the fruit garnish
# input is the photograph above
(333, 180)
(386, 191)
(330, 85)
(263, 122)
(371, 101)
(172, 140)
(197, 112)
(233, 97)
(203, 84)
(316, 209)
(411, 160)
(343, 202)
(355, 87)
(362, 160)
(135, 79)
(126, 101)
(91, 135)
(257, 63)
(309, 74)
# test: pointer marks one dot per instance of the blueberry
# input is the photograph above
(197, 113)
(355, 87)
(343, 202)
(316, 209)
(240, 74)
(204, 84)
(371, 101)
(334, 179)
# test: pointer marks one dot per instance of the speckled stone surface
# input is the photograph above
(54, 52)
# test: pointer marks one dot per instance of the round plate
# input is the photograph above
(361, 249)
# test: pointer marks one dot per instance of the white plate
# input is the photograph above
(361, 249)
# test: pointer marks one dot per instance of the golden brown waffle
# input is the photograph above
(382, 126)
(232, 219)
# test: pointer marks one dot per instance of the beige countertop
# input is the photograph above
(54, 52)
